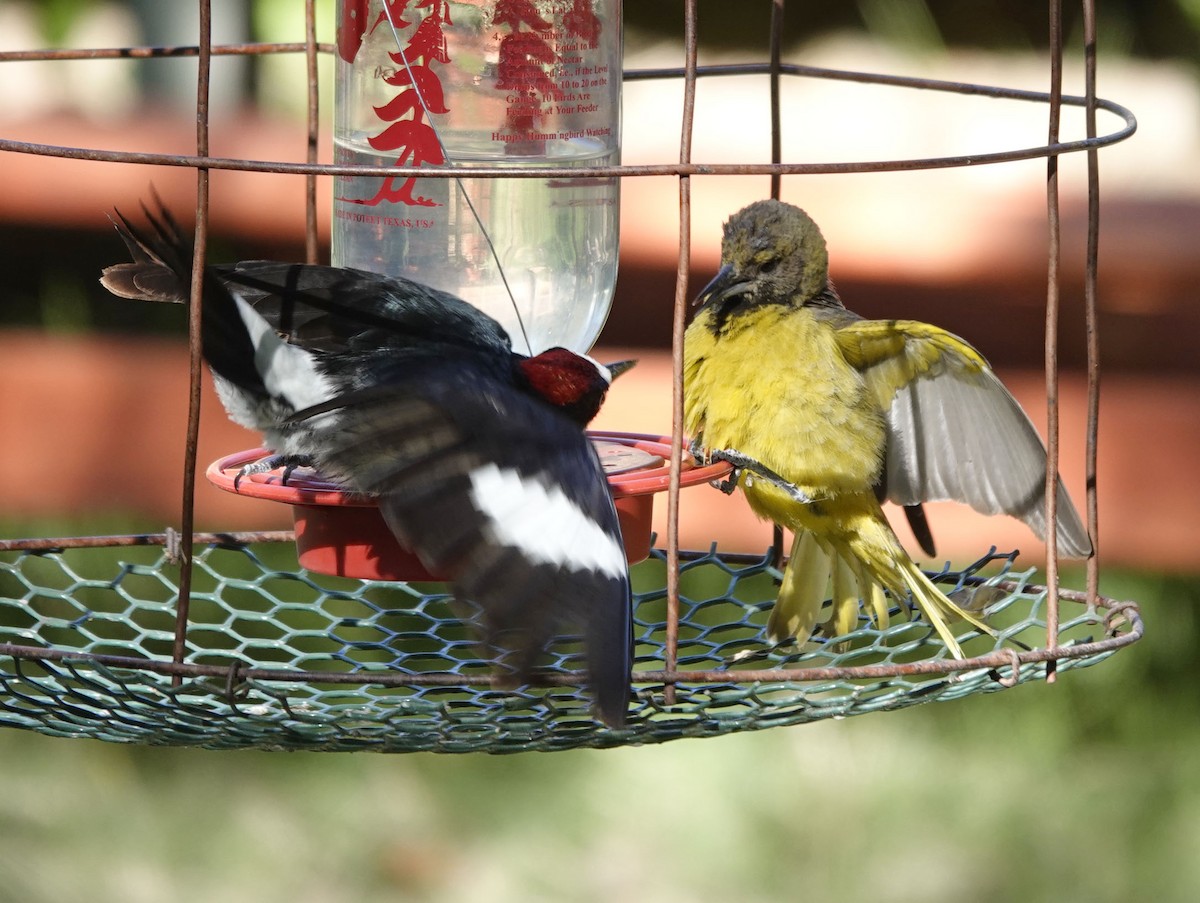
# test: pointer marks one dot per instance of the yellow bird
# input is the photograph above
(828, 413)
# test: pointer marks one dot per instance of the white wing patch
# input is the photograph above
(288, 371)
(543, 523)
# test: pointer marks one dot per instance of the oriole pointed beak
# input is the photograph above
(724, 284)
(616, 368)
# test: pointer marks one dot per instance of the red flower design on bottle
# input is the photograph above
(582, 22)
(394, 12)
(526, 71)
(525, 60)
(351, 28)
(420, 95)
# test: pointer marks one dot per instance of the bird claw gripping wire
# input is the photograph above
(744, 463)
(702, 457)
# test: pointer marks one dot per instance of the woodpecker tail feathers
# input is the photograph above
(161, 267)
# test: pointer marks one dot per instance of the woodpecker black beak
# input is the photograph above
(724, 284)
(616, 368)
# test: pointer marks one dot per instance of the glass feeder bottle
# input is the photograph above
(509, 83)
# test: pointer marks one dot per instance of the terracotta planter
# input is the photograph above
(342, 533)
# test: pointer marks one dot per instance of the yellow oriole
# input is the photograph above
(829, 413)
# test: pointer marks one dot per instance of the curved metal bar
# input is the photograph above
(61, 543)
(990, 661)
(1122, 626)
(156, 52)
(659, 169)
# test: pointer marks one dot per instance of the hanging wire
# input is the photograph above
(1054, 255)
(679, 318)
(776, 64)
(313, 122)
(195, 301)
(776, 70)
(1092, 324)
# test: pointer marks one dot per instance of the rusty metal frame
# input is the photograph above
(1122, 624)
(649, 169)
(179, 544)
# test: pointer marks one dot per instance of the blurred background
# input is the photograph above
(1083, 790)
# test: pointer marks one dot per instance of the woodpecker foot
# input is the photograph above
(743, 462)
(265, 465)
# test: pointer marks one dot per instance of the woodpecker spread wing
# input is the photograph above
(954, 431)
(280, 337)
(505, 495)
(338, 309)
(317, 308)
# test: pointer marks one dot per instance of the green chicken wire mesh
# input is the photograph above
(280, 658)
(240, 647)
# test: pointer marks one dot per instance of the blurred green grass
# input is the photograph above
(1083, 790)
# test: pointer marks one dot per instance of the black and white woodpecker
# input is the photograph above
(477, 455)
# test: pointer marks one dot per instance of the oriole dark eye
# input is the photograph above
(768, 265)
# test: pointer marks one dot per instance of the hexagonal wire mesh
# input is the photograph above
(278, 657)
(245, 648)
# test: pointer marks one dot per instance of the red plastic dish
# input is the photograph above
(342, 533)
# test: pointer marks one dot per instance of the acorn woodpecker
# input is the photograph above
(477, 455)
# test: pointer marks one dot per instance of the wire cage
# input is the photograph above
(222, 640)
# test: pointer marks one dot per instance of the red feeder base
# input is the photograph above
(343, 533)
